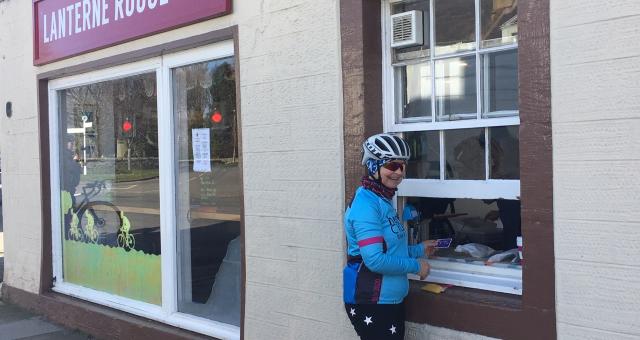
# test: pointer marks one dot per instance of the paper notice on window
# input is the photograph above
(201, 150)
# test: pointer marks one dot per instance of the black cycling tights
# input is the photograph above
(377, 322)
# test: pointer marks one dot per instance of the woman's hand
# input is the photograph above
(425, 268)
(429, 247)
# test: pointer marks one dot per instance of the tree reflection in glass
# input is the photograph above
(208, 190)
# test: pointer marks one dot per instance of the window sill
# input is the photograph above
(500, 277)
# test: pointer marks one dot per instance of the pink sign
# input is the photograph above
(65, 28)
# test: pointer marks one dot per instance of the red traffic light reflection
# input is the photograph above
(216, 117)
(127, 126)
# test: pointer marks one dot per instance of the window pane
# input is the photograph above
(425, 154)
(455, 25)
(109, 187)
(501, 81)
(208, 202)
(490, 223)
(422, 51)
(504, 157)
(499, 20)
(413, 90)
(456, 88)
(464, 154)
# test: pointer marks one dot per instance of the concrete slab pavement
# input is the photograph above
(16, 323)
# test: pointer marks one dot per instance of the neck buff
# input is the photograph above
(377, 187)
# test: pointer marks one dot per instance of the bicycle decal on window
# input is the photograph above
(95, 221)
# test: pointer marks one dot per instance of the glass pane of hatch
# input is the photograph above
(208, 190)
(109, 187)
(455, 26)
(499, 21)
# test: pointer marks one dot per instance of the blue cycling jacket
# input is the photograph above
(379, 257)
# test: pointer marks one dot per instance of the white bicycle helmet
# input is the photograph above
(384, 146)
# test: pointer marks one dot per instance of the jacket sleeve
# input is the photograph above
(368, 231)
(416, 251)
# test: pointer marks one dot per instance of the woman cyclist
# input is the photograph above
(379, 257)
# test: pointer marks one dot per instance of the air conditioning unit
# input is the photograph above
(406, 29)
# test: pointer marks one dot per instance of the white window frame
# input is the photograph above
(501, 278)
(168, 312)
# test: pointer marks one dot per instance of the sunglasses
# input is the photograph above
(394, 166)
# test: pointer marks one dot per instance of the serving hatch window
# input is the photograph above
(453, 96)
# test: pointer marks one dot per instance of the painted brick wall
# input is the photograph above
(595, 69)
(292, 133)
(291, 102)
(19, 149)
(292, 142)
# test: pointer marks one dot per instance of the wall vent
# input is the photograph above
(406, 29)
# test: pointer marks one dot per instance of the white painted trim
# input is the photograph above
(475, 189)
(390, 115)
(479, 75)
(54, 182)
(495, 278)
(197, 55)
(107, 74)
(454, 125)
(150, 311)
(167, 193)
(432, 64)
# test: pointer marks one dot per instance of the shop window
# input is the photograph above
(109, 184)
(146, 189)
(208, 192)
(454, 98)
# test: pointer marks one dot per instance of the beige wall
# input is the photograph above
(291, 106)
(19, 148)
(292, 139)
(595, 82)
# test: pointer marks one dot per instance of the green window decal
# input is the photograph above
(109, 187)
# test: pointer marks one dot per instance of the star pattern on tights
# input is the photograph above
(392, 329)
(352, 312)
(367, 320)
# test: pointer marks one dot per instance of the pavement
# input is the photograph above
(16, 323)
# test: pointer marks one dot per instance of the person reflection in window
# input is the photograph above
(71, 168)
(505, 165)
(70, 180)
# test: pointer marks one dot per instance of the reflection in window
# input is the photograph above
(414, 90)
(425, 154)
(455, 25)
(504, 157)
(456, 88)
(109, 187)
(422, 51)
(464, 154)
(492, 226)
(501, 81)
(208, 202)
(499, 21)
